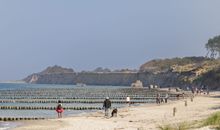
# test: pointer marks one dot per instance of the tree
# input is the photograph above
(213, 46)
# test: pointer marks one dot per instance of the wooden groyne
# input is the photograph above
(20, 118)
(46, 108)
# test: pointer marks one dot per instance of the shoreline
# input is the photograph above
(147, 116)
(97, 113)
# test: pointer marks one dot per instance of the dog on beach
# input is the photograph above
(114, 112)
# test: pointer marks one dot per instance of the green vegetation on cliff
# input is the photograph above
(56, 69)
(175, 64)
(179, 72)
(191, 70)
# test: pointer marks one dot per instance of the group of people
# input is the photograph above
(160, 99)
(106, 106)
(202, 90)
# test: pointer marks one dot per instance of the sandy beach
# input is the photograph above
(144, 117)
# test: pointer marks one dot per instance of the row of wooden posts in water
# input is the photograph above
(19, 118)
(46, 108)
(72, 98)
(83, 101)
(70, 94)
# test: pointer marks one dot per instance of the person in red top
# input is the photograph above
(59, 109)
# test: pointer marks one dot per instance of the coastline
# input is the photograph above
(14, 82)
(148, 116)
(9, 125)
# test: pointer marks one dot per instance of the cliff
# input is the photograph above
(179, 72)
(187, 71)
(52, 75)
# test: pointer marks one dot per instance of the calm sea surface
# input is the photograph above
(13, 91)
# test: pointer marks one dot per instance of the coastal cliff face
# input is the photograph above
(180, 72)
(110, 78)
(52, 75)
(115, 79)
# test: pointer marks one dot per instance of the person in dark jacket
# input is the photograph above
(158, 100)
(107, 106)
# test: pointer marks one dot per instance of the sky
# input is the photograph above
(86, 34)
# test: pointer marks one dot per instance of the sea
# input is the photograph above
(17, 94)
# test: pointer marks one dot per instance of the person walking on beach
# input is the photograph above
(166, 97)
(107, 106)
(59, 109)
(158, 99)
(128, 101)
(207, 90)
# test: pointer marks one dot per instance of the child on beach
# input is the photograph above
(59, 109)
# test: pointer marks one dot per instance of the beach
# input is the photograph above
(143, 117)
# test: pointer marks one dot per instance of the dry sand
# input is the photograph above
(145, 117)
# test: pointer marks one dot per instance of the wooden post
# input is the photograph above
(186, 103)
(174, 111)
(191, 99)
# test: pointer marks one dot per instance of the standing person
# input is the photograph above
(183, 94)
(166, 97)
(193, 90)
(158, 99)
(207, 89)
(59, 109)
(107, 106)
(128, 101)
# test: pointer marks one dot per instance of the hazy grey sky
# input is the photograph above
(86, 34)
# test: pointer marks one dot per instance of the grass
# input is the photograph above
(180, 126)
(213, 120)
(165, 127)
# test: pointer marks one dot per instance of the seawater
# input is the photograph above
(14, 86)
(42, 113)
(47, 113)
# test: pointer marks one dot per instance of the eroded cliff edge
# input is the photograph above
(180, 72)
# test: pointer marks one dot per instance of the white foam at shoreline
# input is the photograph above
(8, 125)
